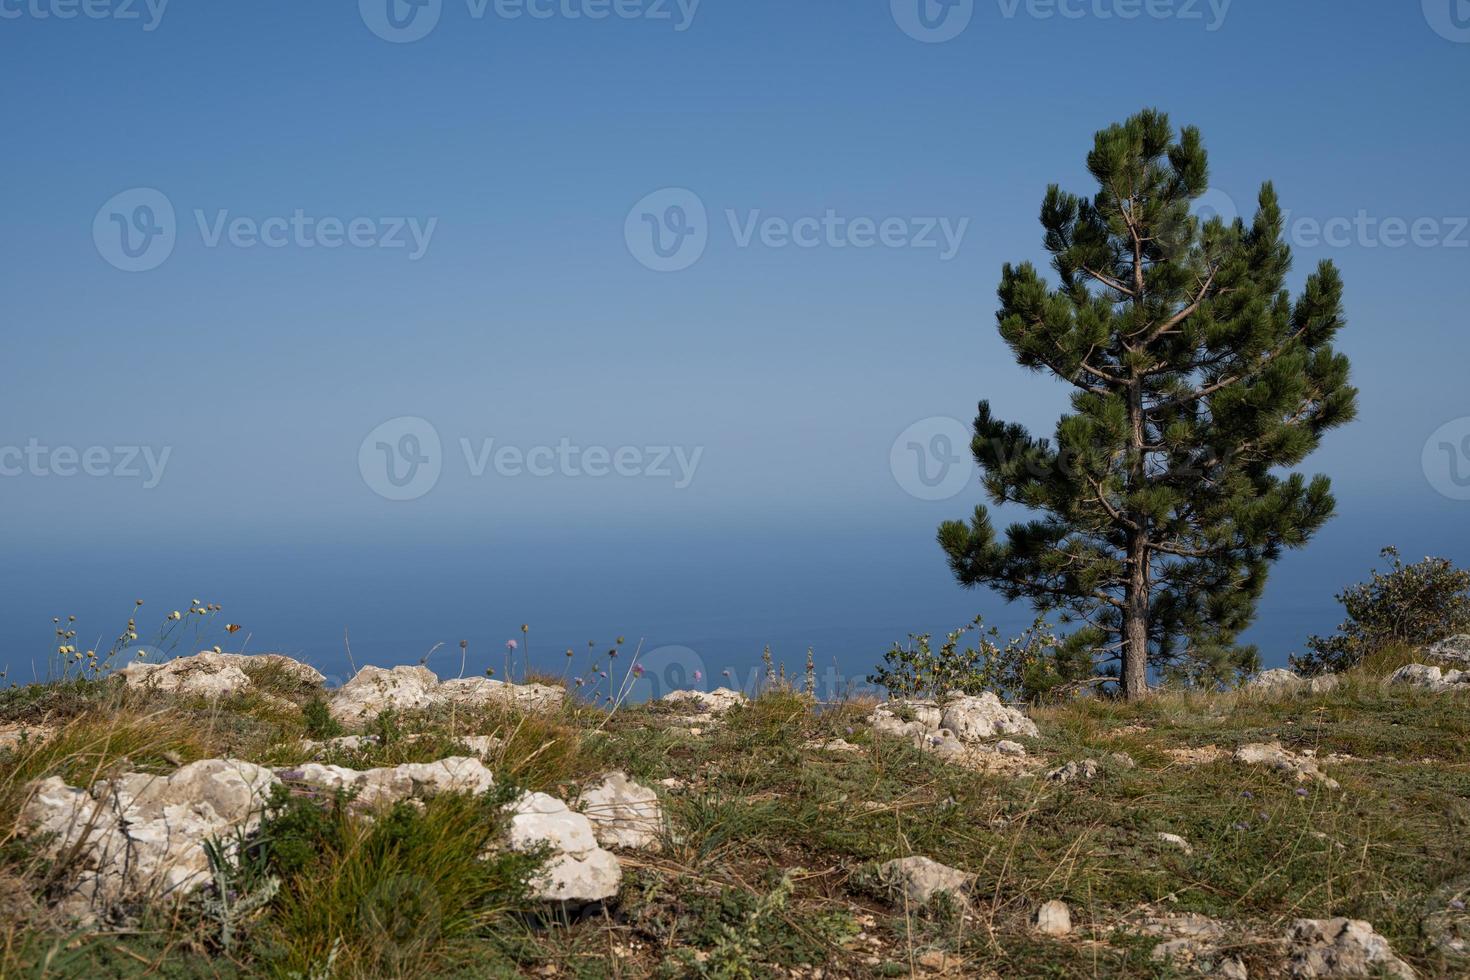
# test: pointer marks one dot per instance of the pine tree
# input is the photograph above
(1196, 378)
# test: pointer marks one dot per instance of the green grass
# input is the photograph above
(767, 867)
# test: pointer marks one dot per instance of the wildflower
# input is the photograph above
(525, 628)
(1457, 905)
(137, 602)
(463, 644)
(1240, 826)
(637, 670)
(725, 672)
(698, 676)
(489, 671)
(175, 615)
(569, 651)
(140, 654)
(511, 644)
(1301, 791)
(217, 649)
(620, 641)
(612, 653)
(578, 680)
(1247, 794)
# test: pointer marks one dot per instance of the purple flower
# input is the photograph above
(637, 670)
(1457, 905)
(578, 680)
(511, 644)
(1240, 826)
(698, 676)
(1247, 794)
(1301, 791)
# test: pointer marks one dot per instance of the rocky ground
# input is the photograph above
(223, 815)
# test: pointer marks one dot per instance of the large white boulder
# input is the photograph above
(579, 871)
(141, 836)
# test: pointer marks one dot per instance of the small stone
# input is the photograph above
(1054, 918)
(920, 879)
(1084, 770)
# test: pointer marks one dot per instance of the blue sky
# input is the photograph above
(519, 147)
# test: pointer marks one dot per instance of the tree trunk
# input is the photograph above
(1135, 623)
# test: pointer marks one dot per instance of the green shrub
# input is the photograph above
(1025, 668)
(399, 895)
(1409, 605)
(319, 721)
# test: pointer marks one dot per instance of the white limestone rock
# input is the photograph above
(1342, 947)
(374, 690)
(140, 836)
(623, 813)
(1430, 678)
(485, 690)
(211, 674)
(579, 870)
(1302, 768)
(1451, 650)
(920, 879)
(1054, 918)
(715, 702)
(389, 784)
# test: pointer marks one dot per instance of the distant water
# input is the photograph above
(706, 601)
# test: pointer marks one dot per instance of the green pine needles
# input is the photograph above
(1198, 379)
